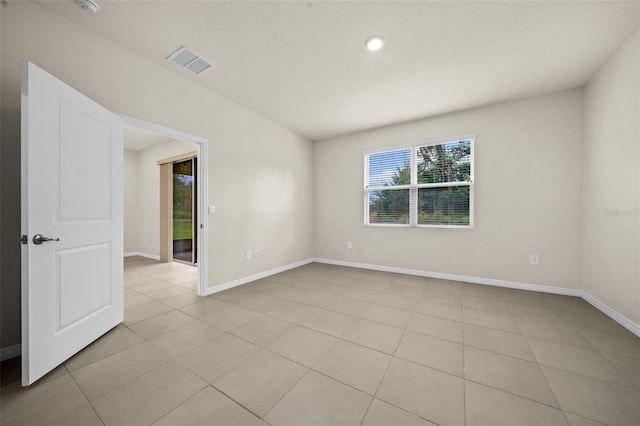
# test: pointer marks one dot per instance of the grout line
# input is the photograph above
(342, 383)
(399, 342)
(238, 402)
(629, 386)
(288, 390)
(181, 404)
(368, 407)
(384, 374)
(564, 414)
(559, 407)
(464, 372)
(84, 395)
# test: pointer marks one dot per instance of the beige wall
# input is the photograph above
(529, 170)
(260, 173)
(527, 196)
(611, 191)
(130, 205)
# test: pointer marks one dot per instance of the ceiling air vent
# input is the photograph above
(191, 61)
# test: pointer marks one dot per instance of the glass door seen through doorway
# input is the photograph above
(184, 211)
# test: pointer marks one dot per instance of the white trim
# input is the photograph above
(619, 318)
(10, 351)
(453, 277)
(161, 130)
(142, 254)
(414, 186)
(403, 225)
(421, 143)
(203, 182)
(472, 186)
(245, 280)
(366, 193)
(613, 314)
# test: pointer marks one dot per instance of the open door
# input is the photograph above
(72, 223)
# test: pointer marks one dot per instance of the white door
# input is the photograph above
(72, 289)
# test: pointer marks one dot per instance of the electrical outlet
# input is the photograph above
(535, 259)
(256, 252)
(248, 254)
(349, 244)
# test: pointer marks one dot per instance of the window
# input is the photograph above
(427, 184)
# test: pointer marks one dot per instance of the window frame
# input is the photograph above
(414, 186)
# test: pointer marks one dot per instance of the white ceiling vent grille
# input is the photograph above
(191, 61)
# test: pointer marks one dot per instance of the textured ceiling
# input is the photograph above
(304, 65)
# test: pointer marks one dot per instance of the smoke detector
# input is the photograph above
(190, 61)
(89, 6)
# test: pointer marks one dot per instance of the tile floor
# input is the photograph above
(328, 345)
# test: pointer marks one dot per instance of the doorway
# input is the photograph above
(199, 174)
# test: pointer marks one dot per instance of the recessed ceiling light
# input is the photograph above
(374, 43)
(89, 6)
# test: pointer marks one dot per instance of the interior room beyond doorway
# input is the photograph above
(149, 216)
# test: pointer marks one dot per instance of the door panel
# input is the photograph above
(72, 289)
(91, 284)
(82, 185)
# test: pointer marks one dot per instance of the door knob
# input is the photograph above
(39, 239)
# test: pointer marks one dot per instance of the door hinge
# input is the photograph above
(24, 239)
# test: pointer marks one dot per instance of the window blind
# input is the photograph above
(427, 184)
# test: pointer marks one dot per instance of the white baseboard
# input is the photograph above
(617, 317)
(465, 278)
(240, 281)
(15, 350)
(10, 351)
(613, 314)
(142, 254)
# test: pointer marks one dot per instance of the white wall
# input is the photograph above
(260, 173)
(611, 191)
(527, 196)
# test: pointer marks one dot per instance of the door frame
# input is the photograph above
(202, 177)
